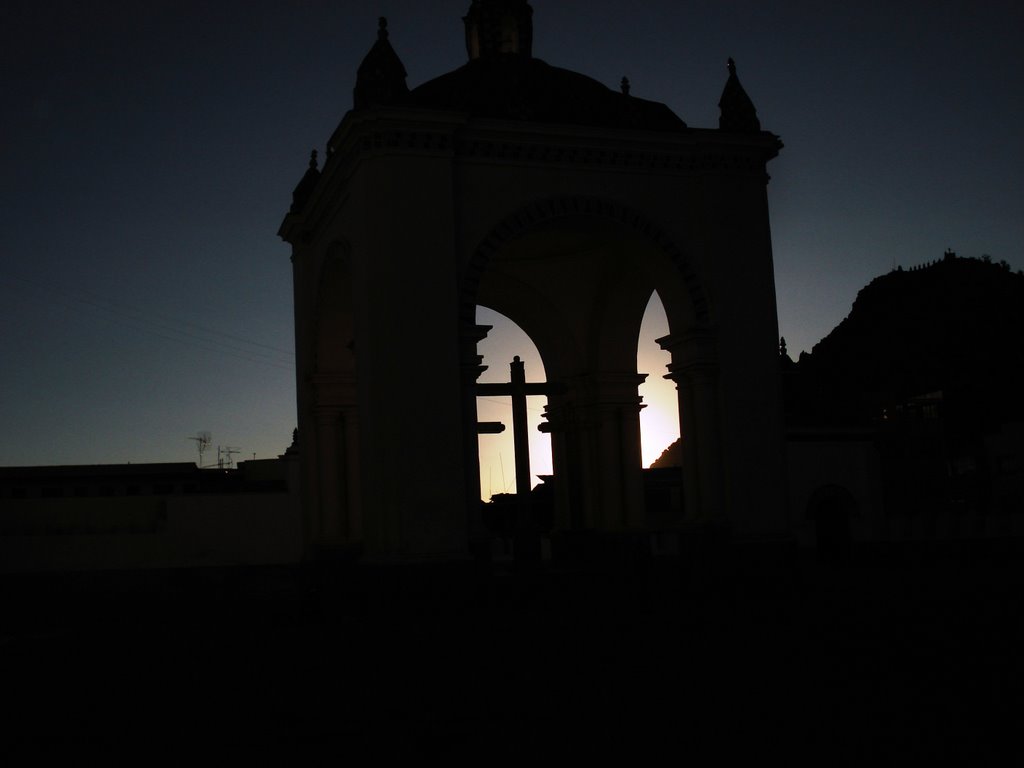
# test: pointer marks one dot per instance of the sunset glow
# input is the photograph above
(659, 421)
(497, 457)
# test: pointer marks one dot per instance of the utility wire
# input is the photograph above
(137, 320)
(509, 404)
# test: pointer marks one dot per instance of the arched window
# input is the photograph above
(659, 420)
(505, 341)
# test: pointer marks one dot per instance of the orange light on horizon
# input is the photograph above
(659, 421)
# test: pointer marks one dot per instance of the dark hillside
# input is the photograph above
(953, 326)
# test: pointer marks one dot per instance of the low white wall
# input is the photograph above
(150, 532)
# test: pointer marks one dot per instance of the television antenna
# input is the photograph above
(202, 440)
(224, 456)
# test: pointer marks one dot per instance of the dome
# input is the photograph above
(516, 87)
(503, 81)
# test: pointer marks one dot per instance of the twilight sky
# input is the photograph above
(148, 151)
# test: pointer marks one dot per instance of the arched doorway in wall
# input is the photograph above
(578, 276)
(503, 343)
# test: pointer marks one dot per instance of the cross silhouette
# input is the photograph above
(518, 390)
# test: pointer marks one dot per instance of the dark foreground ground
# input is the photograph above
(892, 659)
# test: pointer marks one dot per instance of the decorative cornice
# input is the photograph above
(693, 160)
(414, 142)
(613, 152)
(693, 353)
(417, 132)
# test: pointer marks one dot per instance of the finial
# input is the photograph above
(306, 185)
(516, 359)
(624, 85)
(380, 78)
(499, 27)
(737, 110)
(782, 346)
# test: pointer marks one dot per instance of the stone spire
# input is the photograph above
(737, 110)
(381, 76)
(495, 27)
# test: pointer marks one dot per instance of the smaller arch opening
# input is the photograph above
(661, 447)
(659, 421)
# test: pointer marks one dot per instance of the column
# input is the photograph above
(354, 517)
(694, 370)
(560, 421)
(328, 527)
(609, 461)
(337, 452)
(687, 438)
(471, 368)
(704, 384)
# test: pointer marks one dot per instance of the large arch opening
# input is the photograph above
(504, 342)
(579, 277)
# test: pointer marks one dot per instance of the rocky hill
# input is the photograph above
(954, 326)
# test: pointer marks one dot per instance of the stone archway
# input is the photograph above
(577, 274)
(541, 212)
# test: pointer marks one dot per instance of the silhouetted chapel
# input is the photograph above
(562, 204)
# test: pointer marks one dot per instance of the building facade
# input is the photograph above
(562, 204)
